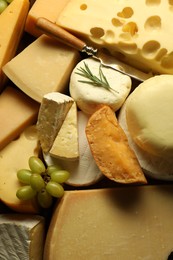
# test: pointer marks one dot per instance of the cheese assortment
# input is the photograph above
(142, 39)
(120, 223)
(22, 236)
(17, 111)
(15, 15)
(42, 67)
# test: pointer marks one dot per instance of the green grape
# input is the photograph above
(55, 189)
(26, 193)
(52, 168)
(37, 182)
(60, 176)
(3, 5)
(24, 175)
(44, 198)
(9, 1)
(36, 165)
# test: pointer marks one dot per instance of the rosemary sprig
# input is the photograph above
(100, 81)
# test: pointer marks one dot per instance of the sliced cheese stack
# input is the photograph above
(65, 145)
(52, 113)
(143, 39)
(84, 171)
(90, 97)
(13, 158)
(22, 236)
(14, 16)
(42, 67)
(120, 223)
(17, 111)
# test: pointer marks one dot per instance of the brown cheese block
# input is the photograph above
(110, 148)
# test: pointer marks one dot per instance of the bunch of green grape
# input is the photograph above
(4, 4)
(41, 182)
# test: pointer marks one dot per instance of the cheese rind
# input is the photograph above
(17, 111)
(22, 236)
(143, 39)
(42, 67)
(15, 15)
(89, 97)
(106, 223)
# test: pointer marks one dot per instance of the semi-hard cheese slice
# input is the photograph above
(13, 158)
(17, 111)
(52, 113)
(84, 171)
(142, 38)
(22, 236)
(40, 9)
(110, 148)
(65, 145)
(42, 67)
(12, 22)
(89, 97)
(105, 224)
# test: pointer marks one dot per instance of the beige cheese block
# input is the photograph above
(40, 8)
(142, 38)
(12, 22)
(22, 236)
(119, 223)
(65, 145)
(89, 97)
(17, 111)
(52, 113)
(13, 158)
(42, 67)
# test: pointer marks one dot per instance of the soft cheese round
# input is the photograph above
(89, 97)
(149, 115)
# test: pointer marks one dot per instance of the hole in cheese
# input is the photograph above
(150, 49)
(97, 32)
(131, 28)
(116, 22)
(153, 2)
(167, 61)
(162, 52)
(83, 7)
(153, 23)
(127, 12)
(171, 2)
(128, 47)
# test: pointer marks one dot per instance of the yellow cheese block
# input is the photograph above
(13, 158)
(105, 224)
(43, 8)
(138, 32)
(42, 67)
(17, 111)
(12, 22)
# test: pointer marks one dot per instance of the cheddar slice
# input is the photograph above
(119, 223)
(17, 111)
(22, 236)
(41, 9)
(138, 32)
(13, 158)
(110, 148)
(42, 67)
(65, 145)
(52, 113)
(12, 22)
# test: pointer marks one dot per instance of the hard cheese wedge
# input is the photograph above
(40, 9)
(143, 39)
(42, 67)
(65, 145)
(22, 236)
(120, 223)
(13, 158)
(17, 111)
(12, 22)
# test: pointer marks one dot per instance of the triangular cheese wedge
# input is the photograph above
(66, 145)
(12, 21)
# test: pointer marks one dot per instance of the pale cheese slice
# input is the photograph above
(65, 145)
(12, 21)
(22, 236)
(119, 223)
(52, 113)
(42, 67)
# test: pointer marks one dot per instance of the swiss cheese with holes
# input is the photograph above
(138, 32)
